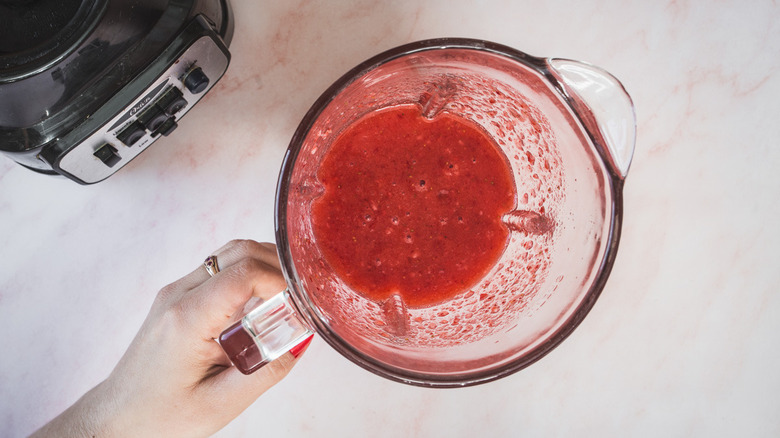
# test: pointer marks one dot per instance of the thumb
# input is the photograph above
(242, 390)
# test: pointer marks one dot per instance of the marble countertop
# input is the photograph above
(684, 341)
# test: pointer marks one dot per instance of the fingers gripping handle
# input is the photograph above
(603, 105)
(265, 333)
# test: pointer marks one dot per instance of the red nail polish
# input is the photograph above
(300, 348)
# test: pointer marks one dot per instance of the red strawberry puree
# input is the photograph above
(412, 206)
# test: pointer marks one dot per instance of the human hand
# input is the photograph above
(174, 379)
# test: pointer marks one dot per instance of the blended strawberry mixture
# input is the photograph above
(413, 206)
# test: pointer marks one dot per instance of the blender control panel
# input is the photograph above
(154, 114)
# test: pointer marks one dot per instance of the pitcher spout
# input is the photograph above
(604, 107)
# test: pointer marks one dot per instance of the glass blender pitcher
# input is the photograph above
(567, 130)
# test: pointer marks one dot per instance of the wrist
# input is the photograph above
(94, 414)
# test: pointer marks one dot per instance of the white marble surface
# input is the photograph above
(684, 341)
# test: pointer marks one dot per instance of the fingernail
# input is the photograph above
(300, 348)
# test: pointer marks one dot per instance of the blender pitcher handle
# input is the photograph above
(603, 105)
(266, 332)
